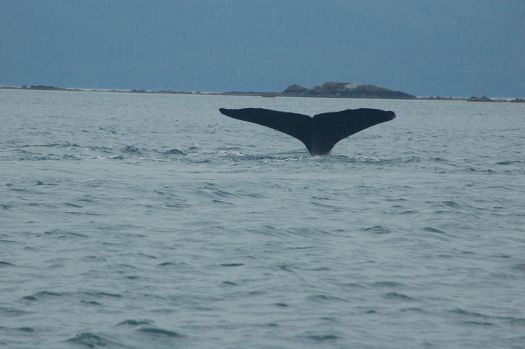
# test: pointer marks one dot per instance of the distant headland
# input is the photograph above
(326, 90)
(345, 90)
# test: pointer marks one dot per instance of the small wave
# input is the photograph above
(4, 312)
(232, 264)
(398, 296)
(44, 294)
(87, 198)
(488, 171)
(486, 318)
(238, 156)
(516, 321)
(452, 204)
(479, 323)
(229, 283)
(21, 190)
(65, 144)
(377, 229)
(102, 294)
(392, 284)
(18, 329)
(519, 267)
(460, 311)
(505, 163)
(352, 285)
(99, 148)
(321, 337)
(71, 157)
(228, 148)
(91, 258)
(109, 129)
(271, 324)
(412, 310)
(159, 332)
(328, 206)
(25, 155)
(69, 145)
(285, 267)
(89, 339)
(72, 205)
(6, 264)
(145, 255)
(318, 269)
(131, 149)
(281, 305)
(174, 151)
(370, 160)
(305, 232)
(438, 159)
(133, 323)
(266, 229)
(6, 206)
(26, 329)
(166, 264)
(170, 199)
(211, 190)
(83, 213)
(434, 230)
(325, 298)
(62, 234)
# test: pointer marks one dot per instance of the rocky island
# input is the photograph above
(344, 90)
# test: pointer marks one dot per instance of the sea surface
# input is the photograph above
(152, 221)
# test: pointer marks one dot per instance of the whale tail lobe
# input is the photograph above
(319, 133)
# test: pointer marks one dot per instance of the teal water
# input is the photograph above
(146, 220)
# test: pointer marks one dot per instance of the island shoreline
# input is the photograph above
(266, 94)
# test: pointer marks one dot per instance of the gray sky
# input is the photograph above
(423, 47)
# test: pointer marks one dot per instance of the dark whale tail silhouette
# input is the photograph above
(319, 133)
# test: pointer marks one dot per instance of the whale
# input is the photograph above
(319, 133)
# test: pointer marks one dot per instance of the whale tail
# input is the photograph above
(319, 133)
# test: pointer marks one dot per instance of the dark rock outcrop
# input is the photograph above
(295, 90)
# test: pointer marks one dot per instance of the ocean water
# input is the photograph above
(152, 221)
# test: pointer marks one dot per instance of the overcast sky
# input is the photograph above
(423, 47)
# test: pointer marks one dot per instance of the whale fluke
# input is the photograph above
(319, 133)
